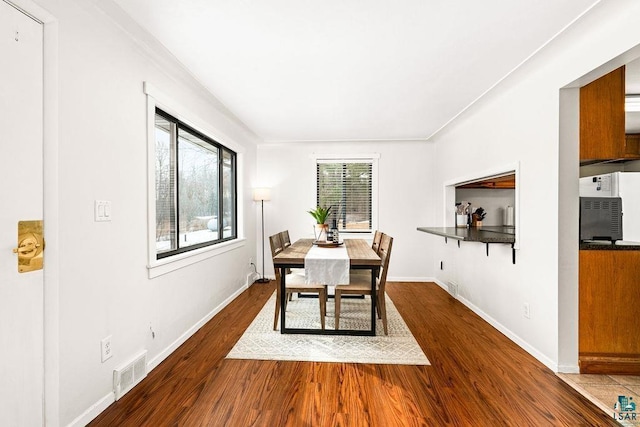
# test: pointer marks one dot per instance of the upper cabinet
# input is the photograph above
(505, 181)
(602, 120)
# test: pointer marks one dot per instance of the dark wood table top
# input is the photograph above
(359, 250)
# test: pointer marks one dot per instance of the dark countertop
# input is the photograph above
(501, 234)
(484, 234)
(608, 246)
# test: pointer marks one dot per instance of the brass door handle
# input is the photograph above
(30, 246)
(23, 250)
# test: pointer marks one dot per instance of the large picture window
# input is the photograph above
(195, 188)
(346, 186)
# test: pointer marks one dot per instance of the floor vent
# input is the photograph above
(127, 376)
(453, 288)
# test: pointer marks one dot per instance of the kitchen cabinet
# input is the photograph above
(609, 297)
(602, 120)
(632, 144)
(506, 181)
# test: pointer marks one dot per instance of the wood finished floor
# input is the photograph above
(477, 377)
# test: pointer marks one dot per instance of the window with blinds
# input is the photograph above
(346, 186)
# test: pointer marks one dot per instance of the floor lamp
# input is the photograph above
(260, 195)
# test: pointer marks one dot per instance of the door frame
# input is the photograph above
(51, 307)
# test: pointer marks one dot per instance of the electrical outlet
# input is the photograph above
(441, 265)
(527, 310)
(105, 346)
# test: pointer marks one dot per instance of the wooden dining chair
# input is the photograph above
(361, 285)
(375, 245)
(286, 242)
(284, 237)
(377, 237)
(295, 282)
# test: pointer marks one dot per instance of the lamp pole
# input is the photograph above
(262, 279)
(262, 194)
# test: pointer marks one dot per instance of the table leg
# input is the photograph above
(283, 298)
(374, 275)
(355, 332)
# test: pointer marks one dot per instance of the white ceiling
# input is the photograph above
(347, 69)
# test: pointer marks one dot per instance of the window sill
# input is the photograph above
(167, 265)
(356, 235)
(367, 235)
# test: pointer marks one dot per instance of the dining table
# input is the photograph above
(360, 257)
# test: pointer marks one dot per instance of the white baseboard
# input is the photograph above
(441, 284)
(192, 330)
(506, 331)
(251, 277)
(410, 279)
(511, 335)
(569, 369)
(92, 412)
(96, 409)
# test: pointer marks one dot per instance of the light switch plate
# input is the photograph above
(102, 210)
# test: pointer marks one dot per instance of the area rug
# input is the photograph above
(261, 342)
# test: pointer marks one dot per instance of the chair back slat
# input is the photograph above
(386, 243)
(276, 247)
(284, 238)
(376, 241)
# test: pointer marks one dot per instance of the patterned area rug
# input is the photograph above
(261, 342)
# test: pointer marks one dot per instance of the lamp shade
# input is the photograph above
(261, 194)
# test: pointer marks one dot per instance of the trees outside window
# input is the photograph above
(347, 187)
(195, 188)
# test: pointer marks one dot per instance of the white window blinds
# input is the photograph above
(346, 186)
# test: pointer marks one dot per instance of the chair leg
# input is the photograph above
(336, 300)
(275, 318)
(326, 299)
(383, 310)
(323, 306)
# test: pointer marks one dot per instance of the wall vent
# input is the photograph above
(251, 277)
(452, 288)
(127, 376)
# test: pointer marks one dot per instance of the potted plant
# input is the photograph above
(321, 214)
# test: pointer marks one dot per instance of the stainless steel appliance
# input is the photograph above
(601, 218)
(625, 185)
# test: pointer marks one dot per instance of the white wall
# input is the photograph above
(104, 287)
(519, 122)
(405, 196)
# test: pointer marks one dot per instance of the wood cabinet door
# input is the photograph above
(602, 134)
(609, 297)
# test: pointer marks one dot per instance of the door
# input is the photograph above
(21, 181)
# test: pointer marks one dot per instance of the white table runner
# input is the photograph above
(328, 266)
